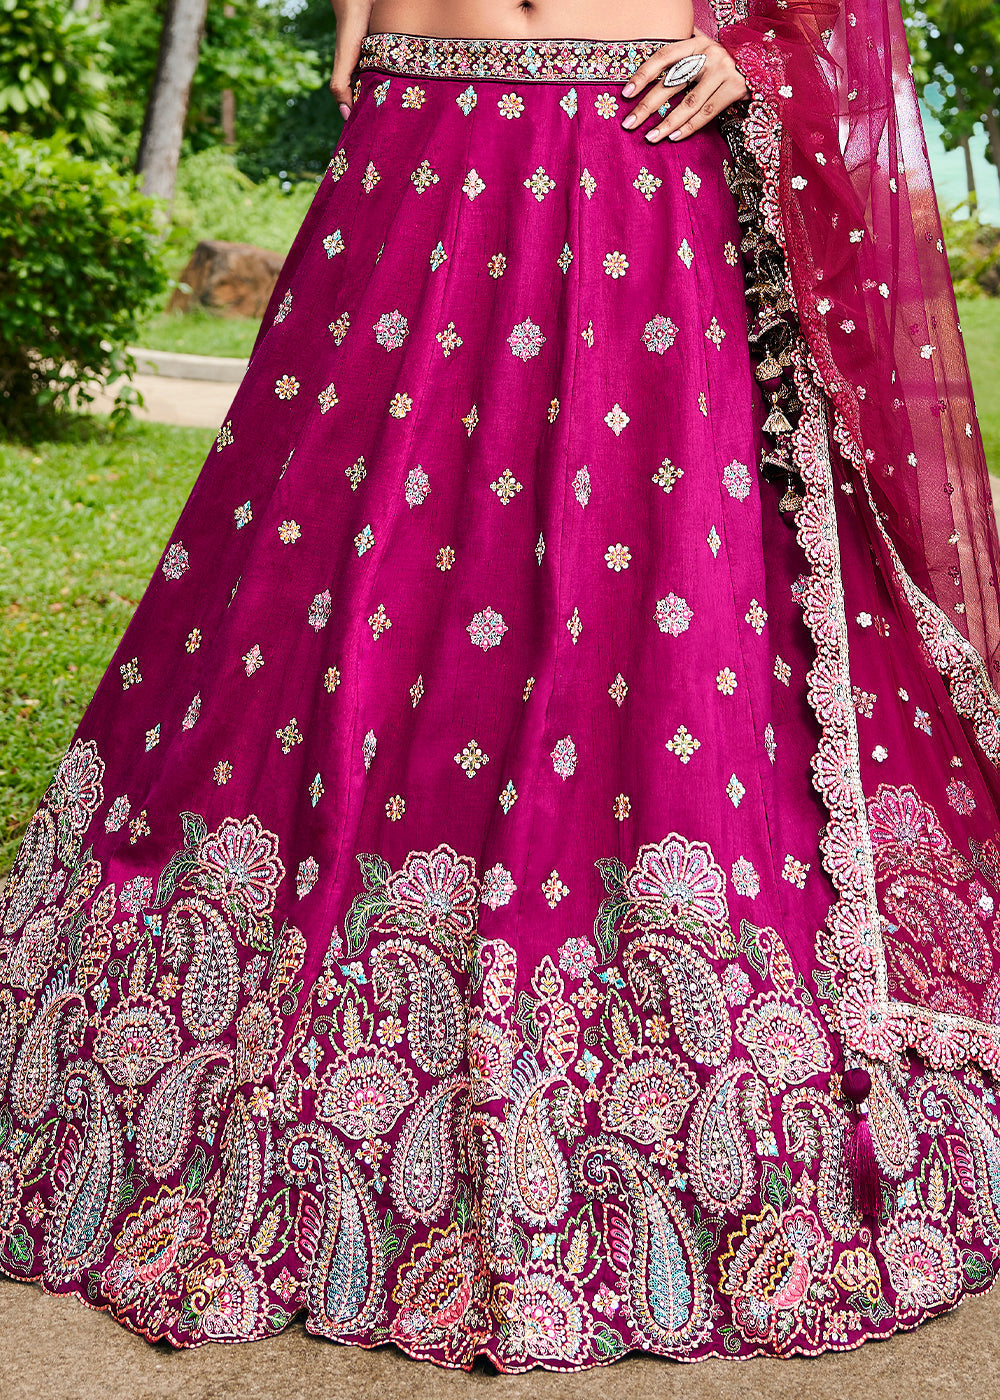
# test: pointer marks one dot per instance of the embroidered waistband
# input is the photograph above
(508, 60)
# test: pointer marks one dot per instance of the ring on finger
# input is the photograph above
(684, 71)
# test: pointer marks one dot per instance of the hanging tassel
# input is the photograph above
(769, 368)
(793, 497)
(861, 1160)
(777, 422)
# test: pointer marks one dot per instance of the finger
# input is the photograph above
(348, 51)
(652, 69)
(689, 116)
(715, 71)
(685, 121)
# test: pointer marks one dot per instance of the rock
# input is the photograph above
(234, 278)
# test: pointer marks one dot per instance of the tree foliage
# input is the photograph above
(956, 51)
(304, 126)
(52, 78)
(247, 52)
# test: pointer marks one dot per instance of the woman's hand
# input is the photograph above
(352, 26)
(718, 86)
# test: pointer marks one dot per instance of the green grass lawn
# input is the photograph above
(981, 326)
(83, 521)
(199, 332)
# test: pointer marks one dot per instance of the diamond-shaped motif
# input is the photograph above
(253, 660)
(735, 790)
(714, 542)
(471, 759)
(647, 183)
(686, 254)
(756, 616)
(692, 182)
(369, 745)
(356, 474)
(575, 626)
(289, 736)
(416, 691)
(449, 339)
(683, 744)
(379, 621)
(667, 475)
(364, 540)
(193, 713)
(715, 333)
(474, 184)
(506, 486)
(554, 890)
(470, 420)
(540, 548)
(316, 789)
(565, 259)
(539, 184)
(618, 689)
(424, 176)
(508, 797)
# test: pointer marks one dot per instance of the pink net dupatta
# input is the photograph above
(889, 450)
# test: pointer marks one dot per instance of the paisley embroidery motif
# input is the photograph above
(196, 931)
(32, 871)
(89, 1173)
(424, 1164)
(167, 1121)
(435, 1014)
(657, 967)
(720, 1159)
(649, 1243)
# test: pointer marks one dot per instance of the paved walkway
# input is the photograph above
(56, 1349)
(190, 403)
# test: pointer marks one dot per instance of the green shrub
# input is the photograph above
(973, 256)
(51, 77)
(214, 199)
(79, 264)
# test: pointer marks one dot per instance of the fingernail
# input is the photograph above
(345, 111)
(675, 136)
(628, 89)
(629, 121)
(655, 136)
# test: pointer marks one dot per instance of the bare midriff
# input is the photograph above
(535, 19)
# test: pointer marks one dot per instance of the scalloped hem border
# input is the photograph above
(485, 1352)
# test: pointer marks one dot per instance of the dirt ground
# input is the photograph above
(57, 1349)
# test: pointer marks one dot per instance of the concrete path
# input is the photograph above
(57, 1349)
(189, 403)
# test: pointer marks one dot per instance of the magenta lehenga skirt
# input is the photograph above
(421, 930)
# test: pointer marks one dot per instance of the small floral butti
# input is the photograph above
(498, 833)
